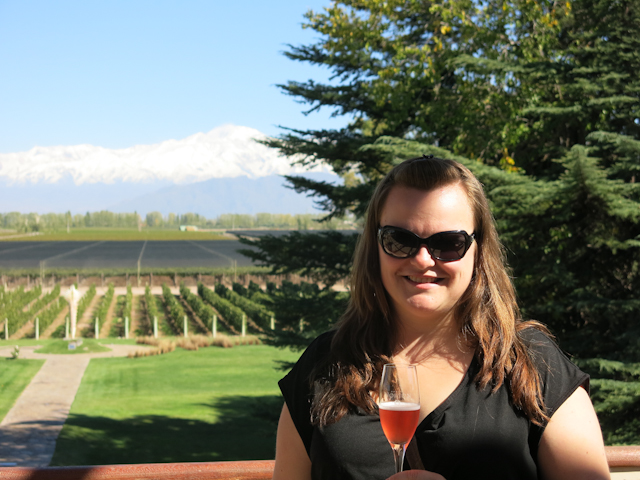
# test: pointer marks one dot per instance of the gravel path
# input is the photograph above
(29, 431)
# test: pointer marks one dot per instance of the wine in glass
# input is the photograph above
(399, 406)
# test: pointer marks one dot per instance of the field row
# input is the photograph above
(201, 310)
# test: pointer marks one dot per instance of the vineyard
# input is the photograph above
(232, 309)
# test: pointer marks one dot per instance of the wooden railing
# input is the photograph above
(624, 463)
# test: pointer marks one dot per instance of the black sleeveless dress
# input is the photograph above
(473, 434)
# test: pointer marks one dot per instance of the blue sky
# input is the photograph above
(118, 73)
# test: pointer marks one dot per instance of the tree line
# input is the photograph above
(33, 222)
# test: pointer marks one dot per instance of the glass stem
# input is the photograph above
(398, 454)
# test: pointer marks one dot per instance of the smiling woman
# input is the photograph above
(430, 288)
(422, 288)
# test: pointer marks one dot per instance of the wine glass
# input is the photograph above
(399, 406)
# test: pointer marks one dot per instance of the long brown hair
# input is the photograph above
(488, 312)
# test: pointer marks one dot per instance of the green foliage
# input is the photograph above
(14, 307)
(609, 369)
(617, 404)
(325, 257)
(257, 313)
(150, 304)
(303, 312)
(85, 300)
(227, 310)
(45, 299)
(202, 310)
(103, 307)
(47, 316)
(175, 310)
(127, 310)
(61, 222)
(255, 294)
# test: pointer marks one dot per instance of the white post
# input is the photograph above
(97, 329)
(37, 328)
(6, 329)
(184, 328)
(66, 327)
(74, 297)
(126, 327)
(155, 327)
(214, 325)
(244, 325)
(273, 323)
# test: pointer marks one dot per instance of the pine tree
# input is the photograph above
(540, 99)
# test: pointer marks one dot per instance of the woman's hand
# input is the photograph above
(416, 475)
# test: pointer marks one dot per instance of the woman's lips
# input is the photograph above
(424, 279)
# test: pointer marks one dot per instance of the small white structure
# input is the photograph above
(73, 297)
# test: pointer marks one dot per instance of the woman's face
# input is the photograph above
(421, 288)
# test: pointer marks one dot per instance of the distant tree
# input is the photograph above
(154, 219)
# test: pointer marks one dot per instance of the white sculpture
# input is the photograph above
(73, 297)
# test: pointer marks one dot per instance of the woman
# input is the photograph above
(430, 287)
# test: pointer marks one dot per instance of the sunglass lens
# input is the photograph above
(448, 246)
(397, 243)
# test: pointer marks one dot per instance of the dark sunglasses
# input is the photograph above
(443, 246)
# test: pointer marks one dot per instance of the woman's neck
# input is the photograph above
(422, 341)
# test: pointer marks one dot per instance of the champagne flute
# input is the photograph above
(399, 406)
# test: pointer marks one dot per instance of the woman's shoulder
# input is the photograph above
(536, 336)
(321, 345)
(542, 347)
(559, 375)
(315, 353)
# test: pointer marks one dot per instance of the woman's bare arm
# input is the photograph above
(571, 447)
(292, 461)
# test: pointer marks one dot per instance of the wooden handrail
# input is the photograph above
(247, 470)
(619, 458)
(623, 457)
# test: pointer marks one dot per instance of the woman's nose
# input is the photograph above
(423, 258)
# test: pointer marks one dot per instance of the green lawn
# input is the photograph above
(15, 375)
(88, 345)
(208, 405)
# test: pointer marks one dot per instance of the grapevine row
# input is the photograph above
(258, 313)
(45, 300)
(201, 309)
(127, 310)
(150, 303)
(227, 310)
(47, 316)
(85, 301)
(13, 306)
(176, 312)
(103, 306)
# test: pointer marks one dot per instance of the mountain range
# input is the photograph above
(223, 171)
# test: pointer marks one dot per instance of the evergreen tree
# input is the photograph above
(545, 95)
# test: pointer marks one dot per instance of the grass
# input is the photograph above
(15, 375)
(88, 345)
(115, 234)
(213, 404)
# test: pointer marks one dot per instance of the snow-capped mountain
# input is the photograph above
(222, 171)
(224, 152)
